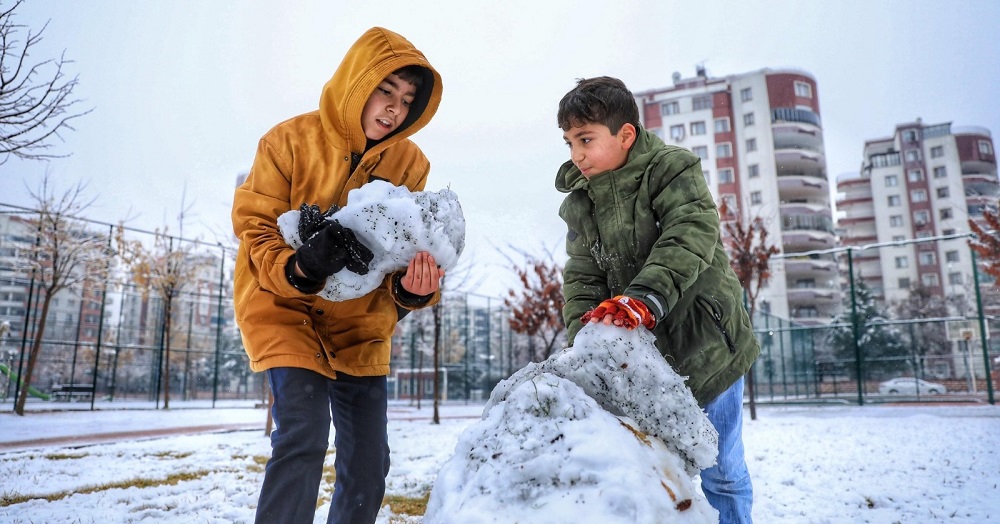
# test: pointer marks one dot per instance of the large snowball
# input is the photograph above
(395, 224)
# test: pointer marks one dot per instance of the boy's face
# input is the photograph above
(594, 150)
(387, 107)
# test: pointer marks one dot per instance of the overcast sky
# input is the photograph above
(182, 90)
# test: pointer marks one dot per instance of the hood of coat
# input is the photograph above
(373, 56)
(569, 178)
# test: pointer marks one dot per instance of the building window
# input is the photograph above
(942, 192)
(701, 102)
(893, 201)
(951, 256)
(751, 144)
(730, 202)
(701, 151)
(940, 172)
(677, 132)
(948, 231)
(748, 119)
(670, 108)
(896, 221)
(937, 152)
(918, 195)
(904, 283)
(753, 171)
(726, 176)
(708, 177)
(955, 278)
(929, 279)
(803, 90)
(891, 181)
(697, 128)
(898, 238)
(755, 197)
(985, 147)
(910, 136)
(921, 217)
(913, 155)
(927, 258)
(915, 175)
(945, 213)
(902, 262)
(722, 125)
(746, 94)
(724, 150)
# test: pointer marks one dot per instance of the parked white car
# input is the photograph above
(910, 386)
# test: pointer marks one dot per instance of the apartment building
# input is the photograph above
(924, 181)
(760, 138)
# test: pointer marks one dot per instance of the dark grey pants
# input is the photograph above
(305, 403)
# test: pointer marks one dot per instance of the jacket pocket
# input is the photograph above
(714, 310)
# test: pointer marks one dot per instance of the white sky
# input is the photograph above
(182, 90)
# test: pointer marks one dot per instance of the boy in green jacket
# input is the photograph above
(645, 248)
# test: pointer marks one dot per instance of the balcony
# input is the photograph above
(797, 135)
(813, 295)
(792, 114)
(798, 186)
(797, 268)
(800, 162)
(981, 183)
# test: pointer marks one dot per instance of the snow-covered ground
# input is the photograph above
(877, 464)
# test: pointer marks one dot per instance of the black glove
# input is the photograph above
(311, 220)
(331, 249)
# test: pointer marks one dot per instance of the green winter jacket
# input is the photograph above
(650, 230)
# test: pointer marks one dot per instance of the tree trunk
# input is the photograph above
(36, 348)
(166, 358)
(750, 384)
(437, 360)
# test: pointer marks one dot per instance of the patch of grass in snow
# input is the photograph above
(172, 454)
(407, 505)
(142, 483)
(64, 456)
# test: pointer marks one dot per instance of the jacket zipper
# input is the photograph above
(717, 319)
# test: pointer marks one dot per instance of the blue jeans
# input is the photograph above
(305, 403)
(727, 484)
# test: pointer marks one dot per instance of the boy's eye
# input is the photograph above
(383, 90)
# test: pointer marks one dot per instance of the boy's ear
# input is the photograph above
(626, 135)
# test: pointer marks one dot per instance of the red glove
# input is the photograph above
(626, 312)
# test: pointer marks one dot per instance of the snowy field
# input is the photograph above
(876, 464)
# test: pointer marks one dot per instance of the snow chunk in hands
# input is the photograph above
(394, 224)
(548, 448)
(625, 373)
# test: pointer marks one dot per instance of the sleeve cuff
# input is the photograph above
(305, 285)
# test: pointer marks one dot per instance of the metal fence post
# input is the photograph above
(982, 330)
(854, 328)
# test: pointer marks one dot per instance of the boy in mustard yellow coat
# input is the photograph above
(327, 361)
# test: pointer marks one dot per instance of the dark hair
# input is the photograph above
(602, 100)
(413, 74)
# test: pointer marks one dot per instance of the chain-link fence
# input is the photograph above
(909, 318)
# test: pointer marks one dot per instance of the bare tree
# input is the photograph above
(36, 97)
(65, 254)
(165, 270)
(536, 306)
(750, 257)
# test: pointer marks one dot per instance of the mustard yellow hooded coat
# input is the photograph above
(317, 158)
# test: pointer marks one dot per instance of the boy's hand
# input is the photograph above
(621, 311)
(331, 249)
(423, 276)
(312, 220)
